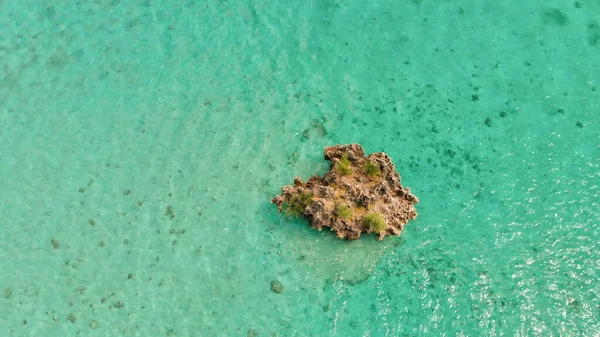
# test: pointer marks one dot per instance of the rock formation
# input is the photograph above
(358, 194)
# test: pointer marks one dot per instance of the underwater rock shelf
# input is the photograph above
(358, 195)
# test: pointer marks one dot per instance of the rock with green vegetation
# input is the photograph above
(374, 222)
(343, 166)
(343, 211)
(359, 194)
(297, 203)
(372, 169)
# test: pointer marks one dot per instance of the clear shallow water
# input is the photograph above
(112, 113)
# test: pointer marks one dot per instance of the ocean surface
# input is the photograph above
(141, 141)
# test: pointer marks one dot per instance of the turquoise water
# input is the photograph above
(141, 142)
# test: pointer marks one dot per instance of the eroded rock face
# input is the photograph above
(360, 185)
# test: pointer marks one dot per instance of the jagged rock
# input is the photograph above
(348, 185)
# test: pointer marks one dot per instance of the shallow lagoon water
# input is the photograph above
(141, 142)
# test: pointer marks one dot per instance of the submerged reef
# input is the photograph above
(358, 195)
